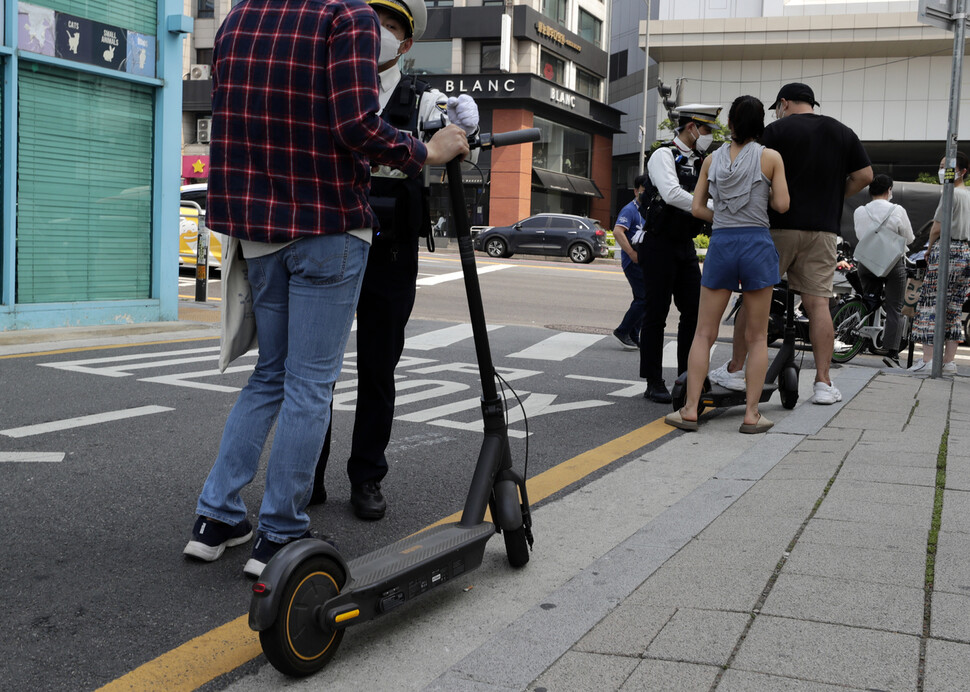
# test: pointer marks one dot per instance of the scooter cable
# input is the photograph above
(525, 420)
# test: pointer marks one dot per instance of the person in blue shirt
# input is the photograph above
(627, 232)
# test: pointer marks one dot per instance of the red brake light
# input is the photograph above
(599, 232)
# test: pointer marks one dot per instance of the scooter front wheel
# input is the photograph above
(516, 547)
(297, 644)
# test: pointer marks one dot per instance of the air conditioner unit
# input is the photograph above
(199, 72)
(203, 130)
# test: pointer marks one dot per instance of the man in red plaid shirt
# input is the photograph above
(295, 129)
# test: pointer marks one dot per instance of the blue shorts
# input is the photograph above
(744, 257)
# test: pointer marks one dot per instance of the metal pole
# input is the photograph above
(646, 86)
(939, 327)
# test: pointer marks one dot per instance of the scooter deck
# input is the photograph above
(722, 397)
(393, 575)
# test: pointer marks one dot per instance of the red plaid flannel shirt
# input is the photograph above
(295, 122)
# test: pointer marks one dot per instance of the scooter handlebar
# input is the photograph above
(504, 139)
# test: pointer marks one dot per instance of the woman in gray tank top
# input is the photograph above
(742, 178)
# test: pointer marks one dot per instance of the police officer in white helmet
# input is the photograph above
(666, 250)
(388, 290)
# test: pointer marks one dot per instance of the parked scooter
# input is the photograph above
(308, 594)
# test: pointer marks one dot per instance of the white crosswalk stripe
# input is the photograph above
(559, 346)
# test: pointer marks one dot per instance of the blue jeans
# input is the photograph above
(634, 314)
(304, 297)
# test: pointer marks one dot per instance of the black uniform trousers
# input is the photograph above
(386, 299)
(670, 269)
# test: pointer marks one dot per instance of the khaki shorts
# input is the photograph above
(809, 258)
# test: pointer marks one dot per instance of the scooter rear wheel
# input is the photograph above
(296, 643)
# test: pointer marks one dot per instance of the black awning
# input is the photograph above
(584, 186)
(551, 180)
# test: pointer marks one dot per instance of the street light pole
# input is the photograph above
(646, 87)
(942, 285)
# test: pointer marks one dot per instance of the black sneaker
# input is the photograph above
(891, 360)
(318, 496)
(210, 538)
(263, 551)
(625, 339)
(368, 501)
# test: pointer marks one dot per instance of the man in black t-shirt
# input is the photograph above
(824, 163)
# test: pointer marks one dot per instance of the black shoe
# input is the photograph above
(657, 391)
(891, 360)
(210, 538)
(318, 496)
(625, 339)
(367, 501)
(263, 551)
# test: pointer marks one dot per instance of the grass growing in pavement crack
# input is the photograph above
(912, 411)
(931, 544)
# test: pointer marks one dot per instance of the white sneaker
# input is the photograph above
(826, 394)
(922, 366)
(729, 380)
(950, 368)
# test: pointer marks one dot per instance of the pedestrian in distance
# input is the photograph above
(883, 215)
(666, 252)
(958, 276)
(824, 163)
(286, 73)
(390, 280)
(742, 178)
(628, 232)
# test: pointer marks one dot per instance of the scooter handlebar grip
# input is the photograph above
(504, 139)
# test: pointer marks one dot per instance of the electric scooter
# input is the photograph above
(782, 375)
(308, 594)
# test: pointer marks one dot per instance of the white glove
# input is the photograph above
(463, 112)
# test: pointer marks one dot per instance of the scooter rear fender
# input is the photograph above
(268, 589)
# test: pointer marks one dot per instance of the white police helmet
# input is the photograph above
(699, 113)
(414, 13)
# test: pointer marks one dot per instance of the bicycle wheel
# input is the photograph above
(846, 319)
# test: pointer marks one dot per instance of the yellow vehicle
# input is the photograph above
(189, 228)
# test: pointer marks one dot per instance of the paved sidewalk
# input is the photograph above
(800, 566)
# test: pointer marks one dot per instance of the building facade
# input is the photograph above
(872, 65)
(540, 64)
(91, 99)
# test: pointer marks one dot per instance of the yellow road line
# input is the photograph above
(225, 648)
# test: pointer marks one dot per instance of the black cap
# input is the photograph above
(796, 91)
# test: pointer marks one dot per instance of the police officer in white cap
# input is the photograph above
(388, 290)
(666, 250)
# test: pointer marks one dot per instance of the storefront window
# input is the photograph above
(555, 9)
(588, 84)
(552, 67)
(428, 57)
(561, 149)
(84, 187)
(134, 15)
(491, 57)
(206, 9)
(590, 27)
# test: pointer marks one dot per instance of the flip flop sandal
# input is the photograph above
(763, 425)
(677, 421)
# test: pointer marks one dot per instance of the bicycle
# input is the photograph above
(859, 320)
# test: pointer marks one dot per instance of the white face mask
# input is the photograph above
(703, 143)
(389, 46)
(890, 194)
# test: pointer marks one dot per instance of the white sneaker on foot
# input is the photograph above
(922, 366)
(729, 380)
(826, 394)
(950, 368)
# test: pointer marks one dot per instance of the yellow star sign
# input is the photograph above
(198, 166)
